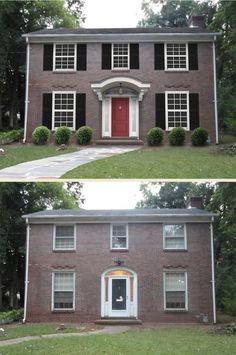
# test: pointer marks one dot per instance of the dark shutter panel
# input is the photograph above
(134, 56)
(81, 57)
(80, 110)
(159, 56)
(160, 111)
(106, 56)
(48, 57)
(193, 56)
(194, 111)
(47, 111)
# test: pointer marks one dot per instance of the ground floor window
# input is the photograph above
(63, 109)
(63, 290)
(177, 109)
(175, 290)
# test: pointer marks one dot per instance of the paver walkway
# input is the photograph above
(106, 330)
(56, 166)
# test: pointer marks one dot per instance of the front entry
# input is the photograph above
(119, 297)
(120, 117)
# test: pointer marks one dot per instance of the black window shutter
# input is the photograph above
(48, 57)
(160, 111)
(80, 110)
(194, 111)
(159, 56)
(193, 56)
(134, 56)
(106, 56)
(47, 111)
(81, 56)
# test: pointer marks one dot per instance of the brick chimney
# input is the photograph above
(196, 21)
(195, 202)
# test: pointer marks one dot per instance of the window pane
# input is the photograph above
(63, 300)
(64, 231)
(64, 243)
(174, 243)
(119, 242)
(65, 56)
(174, 230)
(175, 281)
(119, 230)
(175, 299)
(63, 281)
(176, 56)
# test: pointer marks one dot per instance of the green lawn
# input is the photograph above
(161, 162)
(19, 153)
(162, 341)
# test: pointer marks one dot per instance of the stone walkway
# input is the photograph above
(106, 330)
(56, 166)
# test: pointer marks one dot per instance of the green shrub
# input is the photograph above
(199, 137)
(62, 135)
(40, 135)
(177, 136)
(84, 135)
(13, 315)
(155, 136)
(231, 125)
(229, 329)
(11, 136)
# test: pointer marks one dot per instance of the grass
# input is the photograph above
(161, 162)
(162, 341)
(19, 153)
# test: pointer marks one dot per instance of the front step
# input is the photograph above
(119, 141)
(118, 321)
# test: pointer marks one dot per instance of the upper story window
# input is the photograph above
(119, 236)
(176, 56)
(174, 236)
(177, 109)
(175, 291)
(63, 109)
(120, 56)
(63, 295)
(64, 237)
(65, 57)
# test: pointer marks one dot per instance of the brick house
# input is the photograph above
(122, 82)
(149, 264)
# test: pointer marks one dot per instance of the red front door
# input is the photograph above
(120, 117)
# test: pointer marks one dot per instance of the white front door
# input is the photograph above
(119, 297)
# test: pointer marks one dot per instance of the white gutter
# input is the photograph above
(213, 276)
(26, 270)
(26, 88)
(215, 92)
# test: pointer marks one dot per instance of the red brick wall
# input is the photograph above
(145, 256)
(199, 81)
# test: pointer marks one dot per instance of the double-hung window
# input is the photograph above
(174, 236)
(175, 290)
(64, 237)
(176, 56)
(64, 57)
(119, 236)
(64, 109)
(63, 297)
(177, 109)
(120, 56)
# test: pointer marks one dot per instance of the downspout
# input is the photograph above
(215, 91)
(26, 269)
(26, 88)
(213, 275)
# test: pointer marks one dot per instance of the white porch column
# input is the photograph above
(134, 117)
(106, 117)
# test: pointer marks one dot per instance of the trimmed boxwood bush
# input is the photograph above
(62, 135)
(177, 136)
(40, 135)
(84, 135)
(155, 136)
(199, 136)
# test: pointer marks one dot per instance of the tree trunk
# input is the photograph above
(0, 291)
(1, 123)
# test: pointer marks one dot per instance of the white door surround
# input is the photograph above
(119, 293)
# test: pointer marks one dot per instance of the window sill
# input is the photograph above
(176, 311)
(63, 311)
(175, 250)
(119, 250)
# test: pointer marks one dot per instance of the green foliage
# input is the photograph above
(199, 137)
(40, 135)
(84, 135)
(229, 329)
(177, 136)
(231, 125)
(155, 136)
(62, 135)
(15, 314)
(229, 149)
(11, 136)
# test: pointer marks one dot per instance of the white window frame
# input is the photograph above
(54, 236)
(112, 57)
(166, 109)
(187, 61)
(53, 108)
(53, 276)
(186, 289)
(127, 236)
(54, 58)
(185, 237)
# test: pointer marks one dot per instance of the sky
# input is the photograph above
(112, 13)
